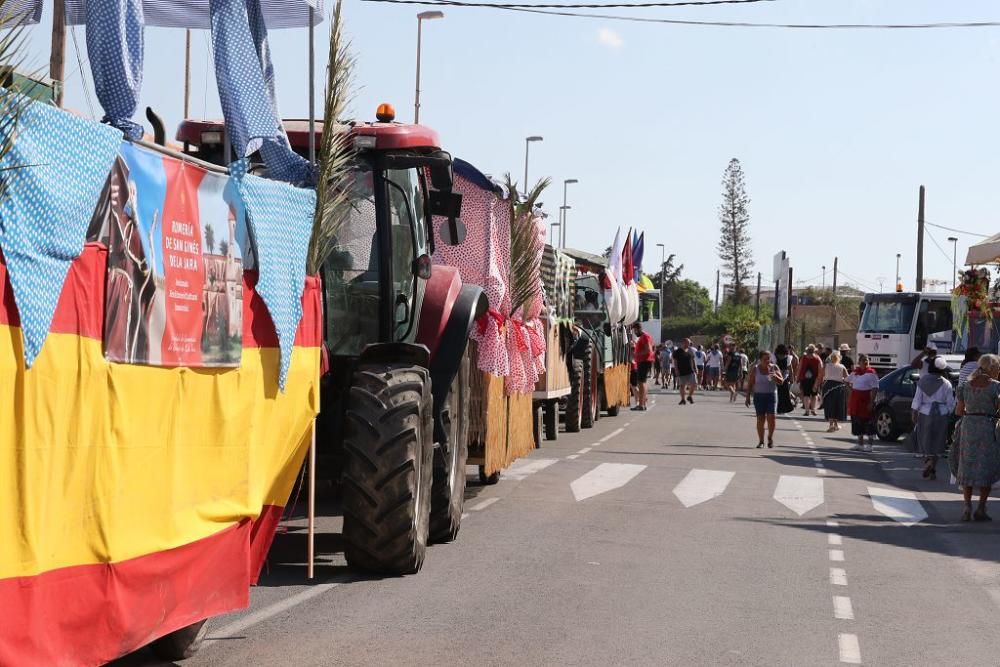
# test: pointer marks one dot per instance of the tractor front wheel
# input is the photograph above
(388, 452)
(448, 496)
(574, 401)
(180, 644)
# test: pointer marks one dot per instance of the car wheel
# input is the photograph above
(885, 426)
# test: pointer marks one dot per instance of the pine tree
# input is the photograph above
(734, 243)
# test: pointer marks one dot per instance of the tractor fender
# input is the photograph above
(440, 293)
(470, 304)
(397, 352)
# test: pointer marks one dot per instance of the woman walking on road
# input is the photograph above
(977, 447)
(762, 388)
(810, 367)
(783, 360)
(833, 380)
(861, 404)
(932, 406)
(733, 370)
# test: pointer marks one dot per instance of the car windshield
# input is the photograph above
(891, 317)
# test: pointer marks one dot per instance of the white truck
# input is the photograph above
(896, 326)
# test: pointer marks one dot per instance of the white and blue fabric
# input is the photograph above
(55, 173)
(280, 218)
(245, 76)
(21, 11)
(115, 36)
(194, 14)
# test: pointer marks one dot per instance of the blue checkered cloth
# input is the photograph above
(115, 37)
(245, 76)
(280, 218)
(55, 173)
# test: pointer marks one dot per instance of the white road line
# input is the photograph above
(573, 457)
(480, 506)
(617, 431)
(701, 485)
(850, 651)
(838, 576)
(817, 458)
(900, 506)
(595, 444)
(270, 611)
(834, 540)
(842, 608)
(584, 450)
(626, 424)
(799, 494)
(524, 467)
(837, 555)
(820, 471)
(819, 464)
(605, 477)
(832, 524)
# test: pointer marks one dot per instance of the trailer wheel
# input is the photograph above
(448, 495)
(550, 416)
(388, 454)
(574, 402)
(488, 480)
(180, 644)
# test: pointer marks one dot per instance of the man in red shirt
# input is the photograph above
(644, 355)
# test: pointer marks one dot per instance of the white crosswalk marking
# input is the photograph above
(524, 467)
(799, 494)
(605, 477)
(701, 485)
(900, 506)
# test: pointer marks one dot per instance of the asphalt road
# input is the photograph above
(656, 538)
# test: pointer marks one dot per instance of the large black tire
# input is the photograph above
(388, 460)
(550, 417)
(180, 644)
(574, 402)
(448, 495)
(488, 480)
(591, 389)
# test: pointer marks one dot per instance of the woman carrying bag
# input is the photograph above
(861, 404)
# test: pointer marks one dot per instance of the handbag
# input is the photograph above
(795, 389)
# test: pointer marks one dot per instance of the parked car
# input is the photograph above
(893, 416)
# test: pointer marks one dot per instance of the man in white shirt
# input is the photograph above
(713, 367)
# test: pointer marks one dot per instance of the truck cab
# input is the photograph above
(895, 327)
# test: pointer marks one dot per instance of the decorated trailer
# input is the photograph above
(558, 272)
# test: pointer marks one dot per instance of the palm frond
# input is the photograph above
(336, 152)
(13, 46)
(525, 246)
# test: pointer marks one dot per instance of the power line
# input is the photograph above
(957, 231)
(936, 244)
(621, 5)
(712, 24)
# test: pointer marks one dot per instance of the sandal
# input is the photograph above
(760, 444)
(770, 442)
(967, 514)
(981, 515)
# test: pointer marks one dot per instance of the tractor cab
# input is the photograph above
(375, 272)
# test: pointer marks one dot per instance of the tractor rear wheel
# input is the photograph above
(574, 402)
(550, 416)
(388, 452)
(180, 644)
(591, 389)
(448, 495)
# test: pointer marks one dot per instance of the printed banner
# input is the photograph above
(176, 235)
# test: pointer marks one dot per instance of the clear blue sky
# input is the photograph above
(835, 129)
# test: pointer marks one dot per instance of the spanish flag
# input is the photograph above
(136, 500)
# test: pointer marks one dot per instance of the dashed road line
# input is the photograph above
(573, 457)
(838, 576)
(480, 506)
(614, 433)
(584, 450)
(842, 608)
(837, 555)
(850, 651)
(834, 540)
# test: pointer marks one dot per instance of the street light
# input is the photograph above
(824, 278)
(421, 17)
(551, 225)
(562, 231)
(899, 284)
(527, 145)
(663, 279)
(954, 260)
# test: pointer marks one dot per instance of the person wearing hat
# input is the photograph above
(932, 406)
(845, 357)
(923, 361)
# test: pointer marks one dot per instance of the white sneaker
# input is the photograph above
(868, 447)
(857, 448)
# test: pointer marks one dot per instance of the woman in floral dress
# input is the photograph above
(978, 466)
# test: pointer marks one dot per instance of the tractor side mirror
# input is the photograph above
(442, 174)
(448, 205)
(453, 232)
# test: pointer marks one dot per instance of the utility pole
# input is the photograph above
(833, 302)
(757, 301)
(57, 58)
(790, 283)
(717, 291)
(920, 242)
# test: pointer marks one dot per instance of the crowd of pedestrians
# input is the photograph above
(959, 423)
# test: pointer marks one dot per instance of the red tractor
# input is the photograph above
(394, 403)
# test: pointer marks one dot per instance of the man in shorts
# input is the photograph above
(699, 364)
(713, 368)
(667, 364)
(644, 355)
(686, 370)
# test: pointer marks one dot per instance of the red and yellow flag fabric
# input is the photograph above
(136, 499)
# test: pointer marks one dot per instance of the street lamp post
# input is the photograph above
(954, 260)
(824, 278)
(527, 145)
(899, 285)
(663, 279)
(421, 17)
(551, 233)
(562, 231)
(562, 228)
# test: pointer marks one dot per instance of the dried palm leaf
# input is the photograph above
(336, 152)
(525, 246)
